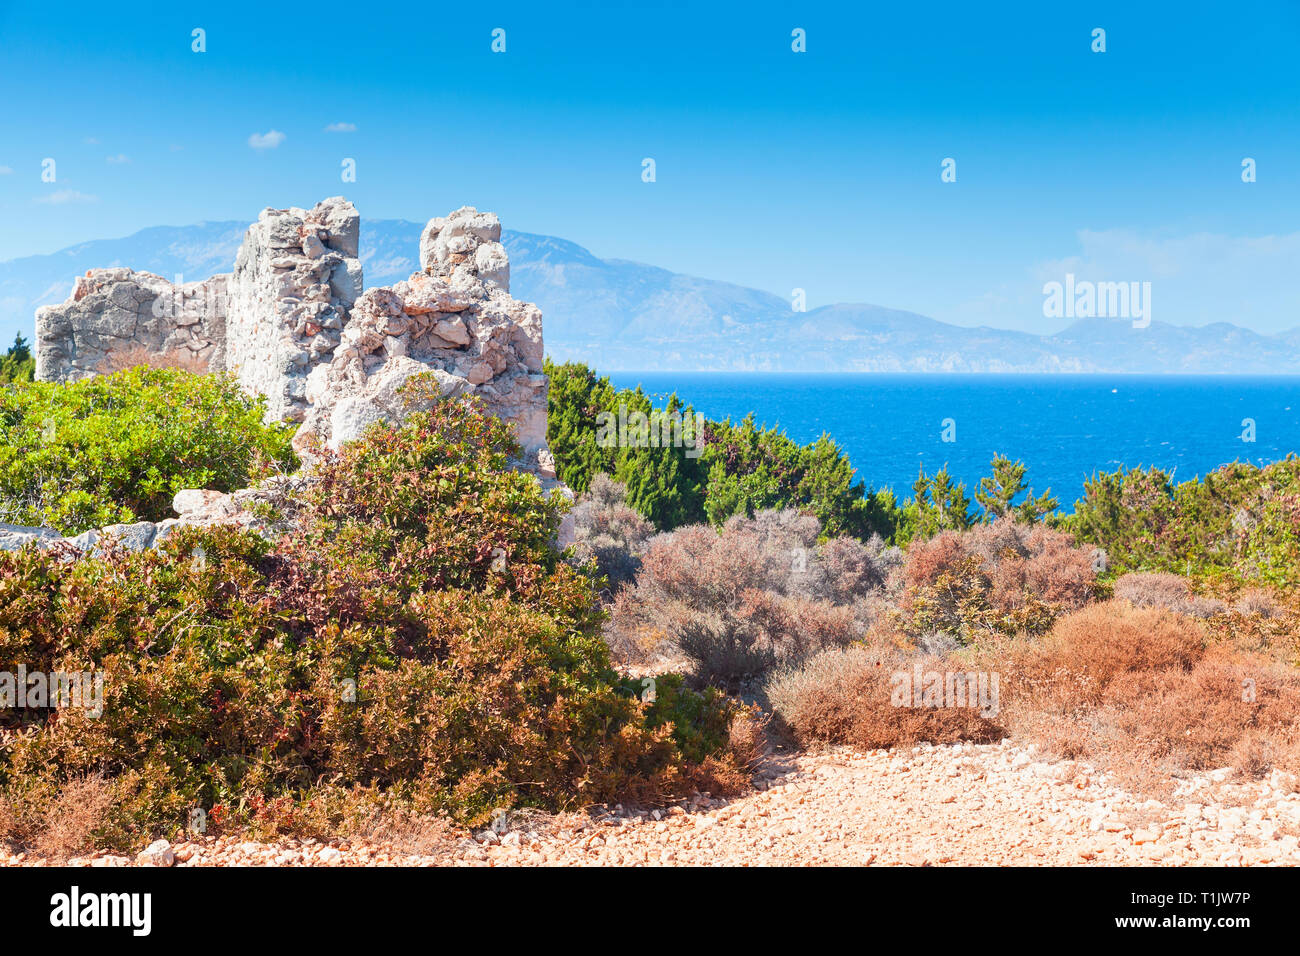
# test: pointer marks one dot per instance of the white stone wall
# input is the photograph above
(455, 318)
(117, 318)
(296, 277)
(291, 323)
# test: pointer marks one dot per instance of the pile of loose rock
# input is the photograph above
(193, 506)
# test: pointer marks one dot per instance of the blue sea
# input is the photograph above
(1063, 427)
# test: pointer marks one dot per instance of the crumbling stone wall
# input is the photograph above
(117, 318)
(291, 322)
(455, 318)
(296, 276)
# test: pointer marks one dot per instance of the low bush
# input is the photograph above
(609, 532)
(851, 696)
(998, 578)
(1169, 591)
(117, 448)
(739, 600)
(1145, 691)
(1239, 522)
(414, 635)
(1142, 692)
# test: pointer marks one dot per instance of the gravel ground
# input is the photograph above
(957, 805)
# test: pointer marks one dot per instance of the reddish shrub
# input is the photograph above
(1141, 691)
(1004, 577)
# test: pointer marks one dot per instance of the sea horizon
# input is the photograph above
(1064, 427)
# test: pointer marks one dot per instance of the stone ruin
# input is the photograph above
(292, 323)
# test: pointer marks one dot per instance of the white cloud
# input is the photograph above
(268, 140)
(6, 171)
(341, 128)
(117, 160)
(64, 196)
(92, 140)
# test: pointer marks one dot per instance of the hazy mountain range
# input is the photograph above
(621, 315)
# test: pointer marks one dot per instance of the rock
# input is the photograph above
(493, 265)
(85, 541)
(452, 330)
(292, 323)
(162, 530)
(15, 536)
(195, 500)
(133, 537)
(158, 853)
(479, 373)
(329, 855)
(350, 417)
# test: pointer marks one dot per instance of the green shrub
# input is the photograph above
(18, 364)
(754, 469)
(664, 484)
(413, 635)
(740, 470)
(1239, 522)
(116, 448)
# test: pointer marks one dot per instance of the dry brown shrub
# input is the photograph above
(1207, 718)
(1144, 693)
(1001, 577)
(1169, 591)
(926, 560)
(737, 601)
(1055, 571)
(404, 832)
(748, 737)
(57, 825)
(845, 696)
(608, 531)
(1088, 649)
(1256, 602)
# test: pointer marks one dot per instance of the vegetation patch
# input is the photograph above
(116, 448)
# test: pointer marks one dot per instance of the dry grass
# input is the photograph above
(57, 826)
(404, 832)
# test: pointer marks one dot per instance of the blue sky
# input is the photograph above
(775, 169)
